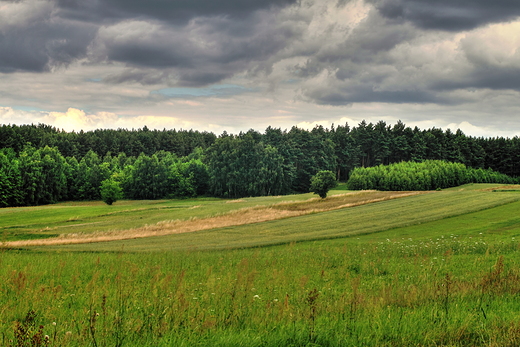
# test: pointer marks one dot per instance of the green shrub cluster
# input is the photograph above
(427, 175)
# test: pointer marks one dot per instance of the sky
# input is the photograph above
(235, 65)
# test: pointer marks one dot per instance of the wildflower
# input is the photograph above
(54, 323)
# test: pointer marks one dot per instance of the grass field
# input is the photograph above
(87, 217)
(436, 269)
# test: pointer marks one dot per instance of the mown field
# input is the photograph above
(435, 269)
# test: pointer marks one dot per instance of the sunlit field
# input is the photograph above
(435, 269)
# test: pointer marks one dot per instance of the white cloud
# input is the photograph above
(75, 119)
(472, 130)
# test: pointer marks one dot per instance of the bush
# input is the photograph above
(111, 191)
(322, 182)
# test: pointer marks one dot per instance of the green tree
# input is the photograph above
(53, 187)
(346, 150)
(322, 182)
(146, 179)
(241, 167)
(43, 179)
(196, 171)
(91, 172)
(310, 152)
(111, 191)
(10, 180)
(31, 174)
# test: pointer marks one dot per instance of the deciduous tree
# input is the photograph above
(322, 182)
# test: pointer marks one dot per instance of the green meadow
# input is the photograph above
(86, 217)
(435, 269)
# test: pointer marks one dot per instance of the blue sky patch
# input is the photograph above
(214, 90)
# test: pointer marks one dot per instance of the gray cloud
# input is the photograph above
(367, 44)
(202, 52)
(327, 52)
(345, 95)
(448, 14)
(485, 78)
(32, 39)
(42, 35)
(382, 60)
(178, 11)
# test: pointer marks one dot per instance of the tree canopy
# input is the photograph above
(40, 164)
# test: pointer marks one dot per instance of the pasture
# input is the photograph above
(433, 269)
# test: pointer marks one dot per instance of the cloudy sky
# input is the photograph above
(239, 64)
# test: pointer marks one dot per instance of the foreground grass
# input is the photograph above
(443, 291)
(453, 280)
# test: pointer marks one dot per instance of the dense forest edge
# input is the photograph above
(40, 164)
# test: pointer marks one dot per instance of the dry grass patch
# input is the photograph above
(243, 216)
(512, 187)
(342, 200)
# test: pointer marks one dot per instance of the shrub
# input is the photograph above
(111, 191)
(322, 182)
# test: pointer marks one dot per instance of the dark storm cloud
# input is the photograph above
(53, 33)
(193, 43)
(484, 78)
(338, 97)
(448, 14)
(339, 94)
(356, 69)
(202, 52)
(31, 39)
(178, 11)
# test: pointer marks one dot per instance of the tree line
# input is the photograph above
(40, 164)
(365, 145)
(102, 141)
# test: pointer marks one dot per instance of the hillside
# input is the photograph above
(253, 222)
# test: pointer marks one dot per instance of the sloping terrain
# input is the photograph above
(286, 222)
(241, 216)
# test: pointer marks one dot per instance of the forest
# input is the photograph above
(40, 164)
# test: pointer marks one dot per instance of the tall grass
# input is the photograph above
(452, 280)
(332, 293)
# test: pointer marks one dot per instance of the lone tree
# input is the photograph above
(322, 182)
(110, 191)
